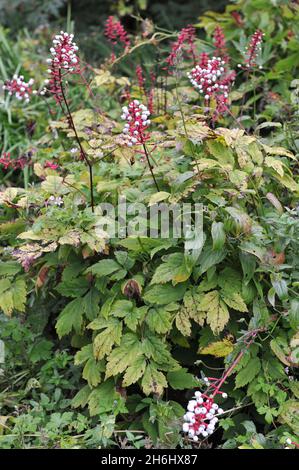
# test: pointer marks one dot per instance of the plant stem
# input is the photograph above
(71, 122)
(150, 166)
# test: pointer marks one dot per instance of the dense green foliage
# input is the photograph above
(107, 338)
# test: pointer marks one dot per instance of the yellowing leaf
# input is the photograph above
(104, 341)
(134, 371)
(234, 300)
(218, 348)
(157, 197)
(217, 313)
(183, 323)
(275, 164)
(153, 381)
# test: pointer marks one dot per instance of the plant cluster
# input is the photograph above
(141, 320)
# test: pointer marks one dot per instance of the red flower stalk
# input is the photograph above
(254, 48)
(16, 164)
(18, 87)
(140, 78)
(5, 160)
(51, 165)
(238, 18)
(203, 59)
(220, 44)
(212, 80)
(64, 60)
(186, 37)
(202, 415)
(115, 32)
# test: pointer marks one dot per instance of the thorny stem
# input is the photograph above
(150, 166)
(83, 154)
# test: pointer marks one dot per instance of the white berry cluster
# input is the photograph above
(137, 116)
(208, 79)
(64, 52)
(202, 416)
(19, 88)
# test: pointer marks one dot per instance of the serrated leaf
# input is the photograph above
(289, 414)
(104, 267)
(9, 268)
(81, 398)
(247, 374)
(164, 294)
(92, 372)
(218, 235)
(278, 351)
(159, 319)
(70, 318)
(73, 287)
(217, 313)
(122, 356)
(91, 303)
(153, 381)
(173, 269)
(134, 371)
(103, 342)
(181, 379)
(234, 300)
(102, 399)
(6, 302)
(275, 164)
(183, 323)
(218, 348)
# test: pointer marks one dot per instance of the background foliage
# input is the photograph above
(106, 341)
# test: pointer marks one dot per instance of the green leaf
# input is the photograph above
(280, 286)
(92, 372)
(81, 398)
(181, 379)
(9, 268)
(248, 263)
(104, 398)
(91, 303)
(124, 355)
(19, 293)
(6, 302)
(164, 294)
(153, 381)
(104, 341)
(209, 258)
(84, 354)
(134, 371)
(278, 351)
(159, 319)
(70, 318)
(218, 235)
(247, 374)
(294, 314)
(173, 269)
(73, 287)
(289, 414)
(104, 267)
